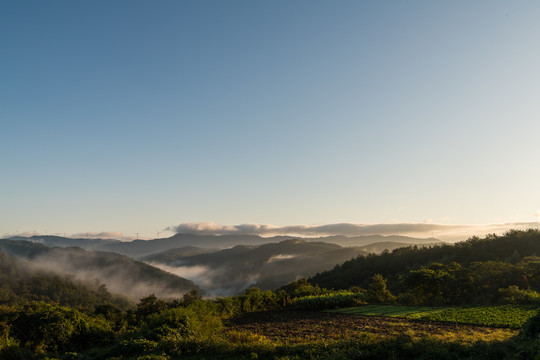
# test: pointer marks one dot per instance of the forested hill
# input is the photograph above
(121, 274)
(510, 248)
(268, 266)
(20, 282)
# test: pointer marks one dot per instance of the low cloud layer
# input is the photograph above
(444, 232)
(100, 235)
(217, 281)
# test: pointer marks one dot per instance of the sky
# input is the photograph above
(138, 117)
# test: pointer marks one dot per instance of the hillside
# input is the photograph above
(267, 266)
(510, 248)
(21, 282)
(121, 274)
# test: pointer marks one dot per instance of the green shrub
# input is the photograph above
(45, 327)
(153, 357)
(531, 329)
(377, 291)
(301, 288)
(515, 295)
(16, 353)
(192, 344)
(134, 347)
(330, 301)
(176, 320)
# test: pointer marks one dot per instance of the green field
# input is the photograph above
(507, 316)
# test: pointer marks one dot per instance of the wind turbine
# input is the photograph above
(137, 235)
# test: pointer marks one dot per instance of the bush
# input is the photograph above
(377, 291)
(133, 347)
(170, 321)
(515, 295)
(147, 306)
(531, 329)
(330, 301)
(48, 327)
(301, 288)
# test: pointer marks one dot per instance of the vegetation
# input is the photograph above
(331, 300)
(21, 283)
(484, 271)
(269, 265)
(123, 275)
(42, 318)
(159, 329)
(377, 291)
(509, 316)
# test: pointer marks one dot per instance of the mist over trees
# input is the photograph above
(120, 274)
(21, 282)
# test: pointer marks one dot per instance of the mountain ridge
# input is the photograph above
(140, 248)
(267, 266)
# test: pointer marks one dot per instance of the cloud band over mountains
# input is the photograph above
(440, 231)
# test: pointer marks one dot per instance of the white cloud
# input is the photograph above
(101, 235)
(281, 257)
(210, 228)
(444, 232)
(199, 274)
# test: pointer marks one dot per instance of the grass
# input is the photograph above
(502, 316)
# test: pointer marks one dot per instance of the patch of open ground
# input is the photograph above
(289, 327)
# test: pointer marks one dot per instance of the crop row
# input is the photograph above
(328, 301)
(508, 316)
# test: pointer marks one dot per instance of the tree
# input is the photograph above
(377, 291)
(439, 284)
(44, 327)
(190, 297)
(300, 288)
(149, 305)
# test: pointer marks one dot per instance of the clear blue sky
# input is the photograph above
(137, 115)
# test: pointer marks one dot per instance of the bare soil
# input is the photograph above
(302, 327)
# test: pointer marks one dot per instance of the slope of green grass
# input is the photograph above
(508, 316)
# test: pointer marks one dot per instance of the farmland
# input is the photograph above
(504, 316)
(307, 327)
(326, 335)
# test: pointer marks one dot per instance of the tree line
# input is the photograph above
(479, 270)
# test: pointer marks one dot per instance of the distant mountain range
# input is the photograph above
(219, 265)
(267, 266)
(142, 248)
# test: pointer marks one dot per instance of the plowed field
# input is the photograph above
(289, 327)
